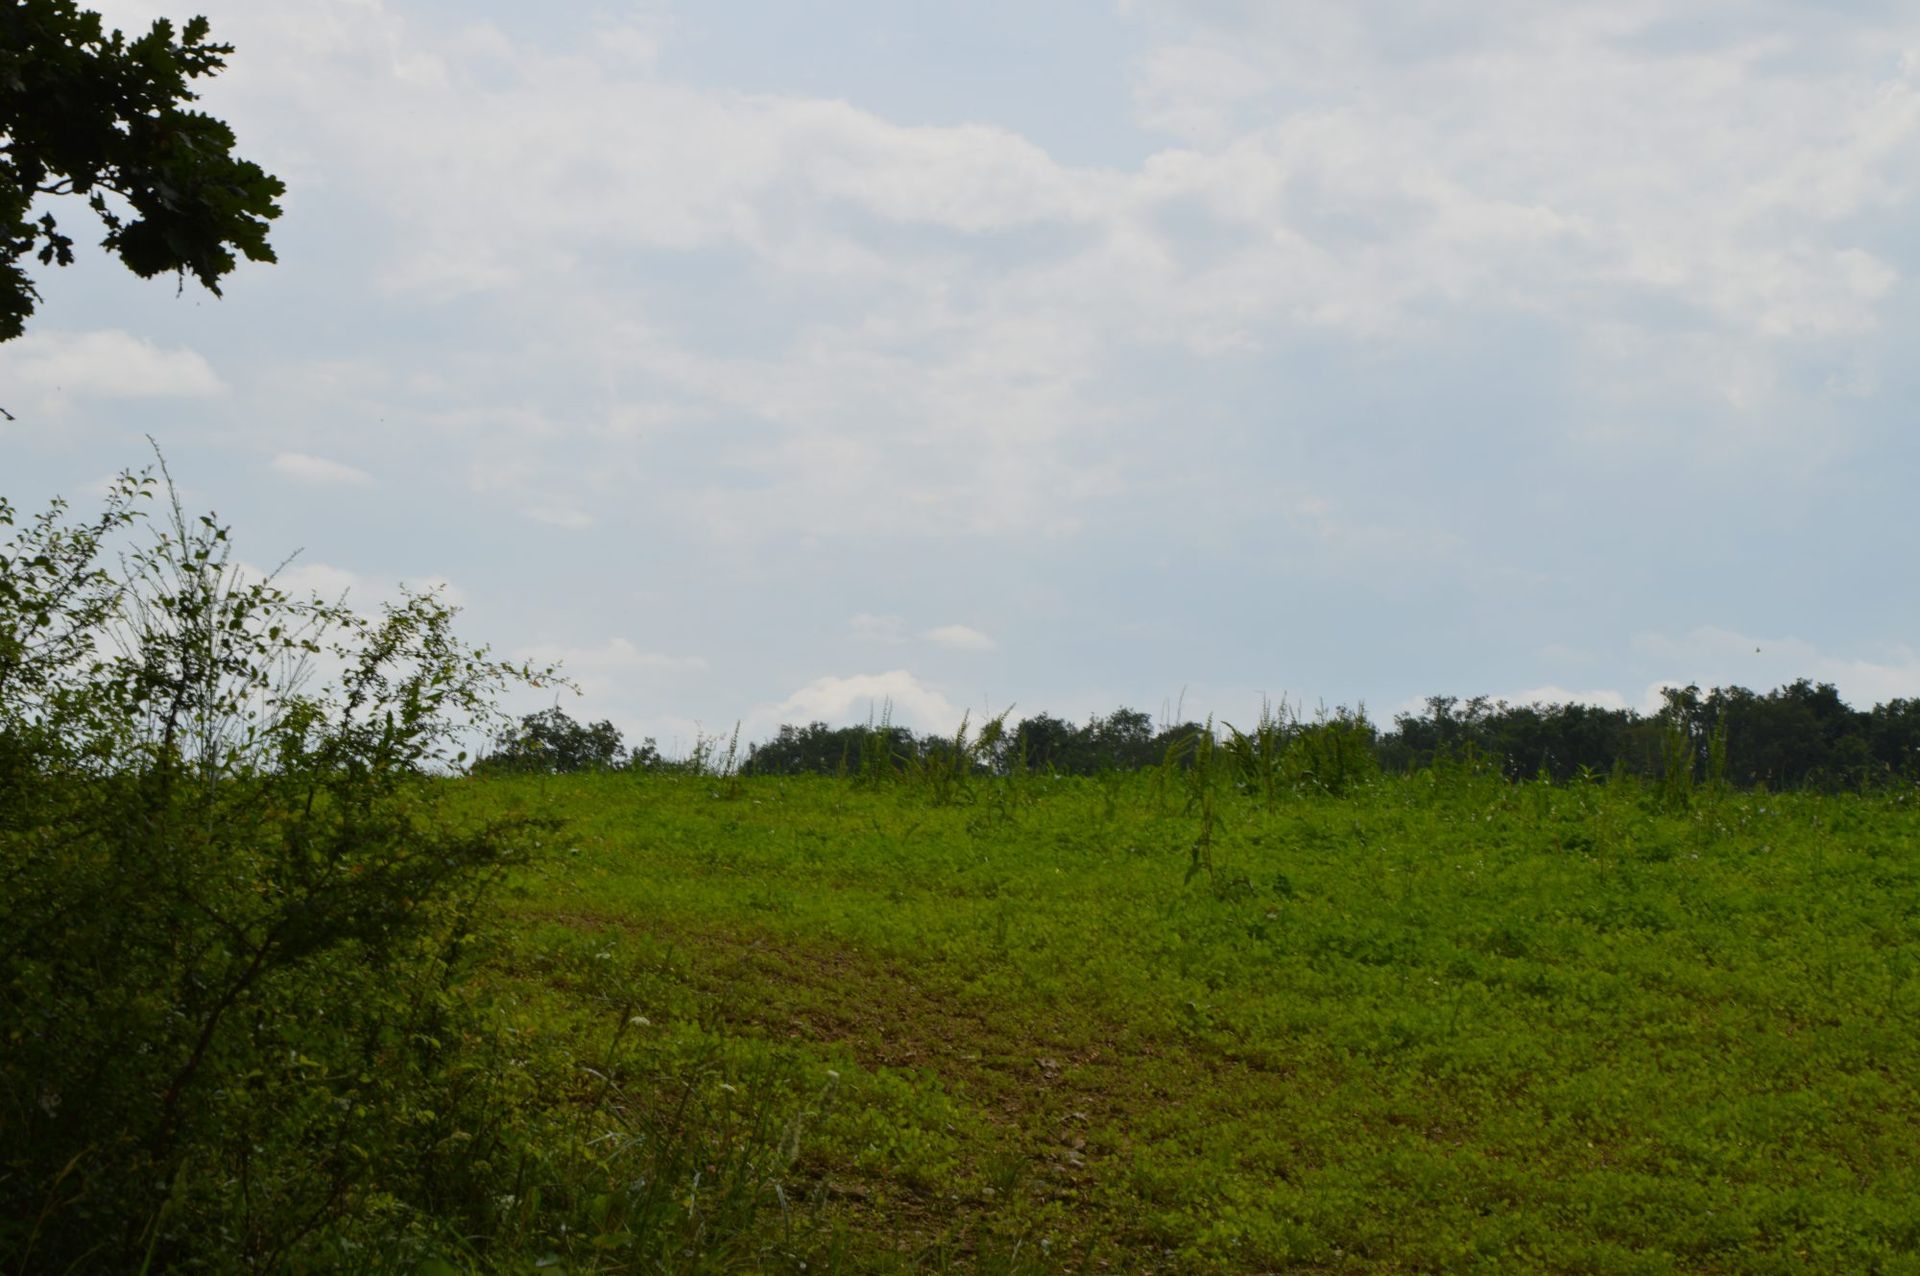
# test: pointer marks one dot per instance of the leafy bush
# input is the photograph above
(235, 911)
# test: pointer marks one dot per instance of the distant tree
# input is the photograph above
(550, 741)
(1522, 740)
(816, 749)
(1802, 734)
(1123, 740)
(646, 756)
(93, 114)
(1047, 743)
(1893, 733)
(1174, 741)
(1444, 730)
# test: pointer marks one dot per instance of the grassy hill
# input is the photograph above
(1442, 1023)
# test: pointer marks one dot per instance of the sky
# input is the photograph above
(765, 362)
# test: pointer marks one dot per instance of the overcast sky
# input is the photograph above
(762, 360)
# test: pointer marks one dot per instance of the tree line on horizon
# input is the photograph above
(1800, 735)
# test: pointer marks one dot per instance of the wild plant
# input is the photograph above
(1112, 782)
(722, 765)
(714, 757)
(944, 771)
(878, 761)
(1464, 774)
(1676, 764)
(1196, 761)
(1169, 776)
(1717, 780)
(692, 1177)
(1259, 756)
(1541, 792)
(1333, 754)
(1015, 768)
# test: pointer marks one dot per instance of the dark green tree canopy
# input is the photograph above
(90, 113)
(550, 741)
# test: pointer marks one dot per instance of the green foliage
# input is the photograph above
(710, 759)
(1334, 753)
(1798, 736)
(1259, 755)
(943, 772)
(1283, 754)
(1195, 763)
(90, 113)
(1677, 761)
(1717, 772)
(1124, 740)
(1801, 735)
(882, 748)
(550, 742)
(237, 909)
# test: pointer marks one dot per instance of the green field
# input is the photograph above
(1441, 1023)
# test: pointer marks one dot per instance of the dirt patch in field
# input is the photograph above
(1054, 1089)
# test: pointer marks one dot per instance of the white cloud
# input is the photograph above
(958, 638)
(58, 367)
(320, 471)
(640, 38)
(1195, 92)
(892, 629)
(1552, 160)
(1681, 216)
(862, 696)
(872, 628)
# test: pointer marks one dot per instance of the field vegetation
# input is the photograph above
(287, 986)
(1443, 1022)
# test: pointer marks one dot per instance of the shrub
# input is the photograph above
(234, 909)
